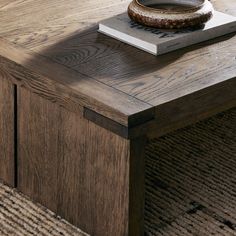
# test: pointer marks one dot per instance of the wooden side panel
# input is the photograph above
(7, 169)
(76, 168)
(193, 108)
(38, 148)
(93, 188)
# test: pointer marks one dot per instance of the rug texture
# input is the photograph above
(20, 217)
(190, 187)
(191, 180)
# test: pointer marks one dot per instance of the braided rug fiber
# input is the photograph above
(190, 187)
(20, 217)
(191, 180)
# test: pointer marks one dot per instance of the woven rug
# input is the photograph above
(190, 187)
(20, 217)
(191, 180)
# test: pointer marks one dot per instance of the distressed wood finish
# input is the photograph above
(189, 110)
(117, 81)
(67, 87)
(85, 173)
(7, 123)
(86, 104)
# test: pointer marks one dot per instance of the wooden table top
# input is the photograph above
(58, 43)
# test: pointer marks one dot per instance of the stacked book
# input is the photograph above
(157, 41)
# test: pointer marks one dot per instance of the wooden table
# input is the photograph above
(77, 107)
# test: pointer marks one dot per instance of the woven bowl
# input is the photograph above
(170, 14)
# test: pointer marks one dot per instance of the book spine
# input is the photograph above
(196, 37)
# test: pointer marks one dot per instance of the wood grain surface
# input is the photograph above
(59, 40)
(79, 170)
(67, 87)
(7, 125)
(85, 104)
(186, 111)
(61, 43)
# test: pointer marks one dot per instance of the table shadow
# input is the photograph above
(111, 61)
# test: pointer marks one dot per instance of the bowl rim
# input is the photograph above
(189, 10)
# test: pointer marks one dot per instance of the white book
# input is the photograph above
(157, 41)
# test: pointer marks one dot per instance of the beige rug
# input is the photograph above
(190, 187)
(20, 217)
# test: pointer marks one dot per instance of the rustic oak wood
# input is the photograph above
(7, 139)
(189, 110)
(104, 70)
(85, 173)
(67, 87)
(76, 107)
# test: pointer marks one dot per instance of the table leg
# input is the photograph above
(88, 175)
